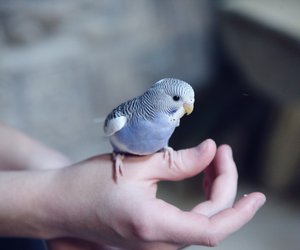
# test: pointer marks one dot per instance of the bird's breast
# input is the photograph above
(143, 136)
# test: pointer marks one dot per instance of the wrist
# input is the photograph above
(69, 209)
(57, 203)
(22, 209)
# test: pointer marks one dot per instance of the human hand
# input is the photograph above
(127, 215)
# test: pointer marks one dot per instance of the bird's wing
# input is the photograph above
(114, 123)
(122, 114)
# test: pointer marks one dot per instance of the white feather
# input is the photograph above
(114, 125)
(175, 118)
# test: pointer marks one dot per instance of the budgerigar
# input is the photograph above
(144, 125)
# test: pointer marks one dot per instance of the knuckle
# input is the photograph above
(213, 239)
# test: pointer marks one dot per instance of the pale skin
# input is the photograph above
(80, 206)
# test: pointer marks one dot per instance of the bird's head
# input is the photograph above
(175, 96)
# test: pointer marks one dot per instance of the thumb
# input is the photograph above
(186, 163)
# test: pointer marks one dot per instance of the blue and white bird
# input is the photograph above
(144, 125)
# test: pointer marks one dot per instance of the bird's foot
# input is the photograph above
(169, 155)
(118, 165)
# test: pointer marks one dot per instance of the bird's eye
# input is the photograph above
(176, 98)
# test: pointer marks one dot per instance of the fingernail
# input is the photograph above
(259, 202)
(229, 151)
(202, 146)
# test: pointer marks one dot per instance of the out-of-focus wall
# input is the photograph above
(262, 38)
(65, 63)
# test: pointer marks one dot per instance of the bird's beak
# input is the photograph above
(188, 107)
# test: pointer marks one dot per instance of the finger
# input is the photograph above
(213, 170)
(186, 163)
(209, 176)
(219, 167)
(175, 226)
(220, 183)
(232, 219)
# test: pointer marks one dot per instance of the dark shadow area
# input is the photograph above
(21, 244)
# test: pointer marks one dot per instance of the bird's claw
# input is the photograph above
(118, 165)
(169, 155)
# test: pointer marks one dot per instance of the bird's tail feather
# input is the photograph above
(100, 121)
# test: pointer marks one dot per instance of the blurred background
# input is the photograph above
(65, 64)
